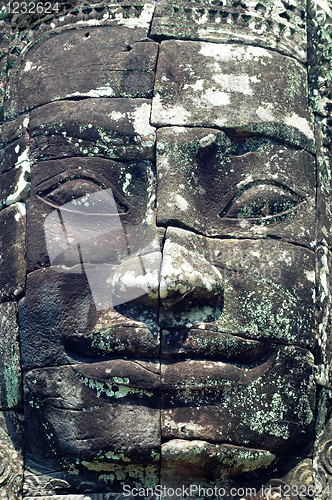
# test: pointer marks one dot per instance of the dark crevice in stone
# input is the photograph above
(72, 98)
(240, 335)
(177, 224)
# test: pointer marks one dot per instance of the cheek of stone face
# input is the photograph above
(97, 419)
(261, 391)
(258, 289)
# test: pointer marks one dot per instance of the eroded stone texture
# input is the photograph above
(41, 485)
(323, 345)
(276, 25)
(11, 456)
(250, 188)
(122, 66)
(201, 459)
(10, 383)
(319, 72)
(15, 184)
(14, 161)
(324, 185)
(245, 89)
(4, 51)
(323, 447)
(12, 251)
(109, 128)
(14, 142)
(132, 14)
(319, 58)
(67, 411)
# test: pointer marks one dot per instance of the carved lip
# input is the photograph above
(195, 375)
(136, 340)
(195, 457)
(198, 343)
(120, 340)
(198, 375)
(134, 374)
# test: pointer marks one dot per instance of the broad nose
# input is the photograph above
(191, 288)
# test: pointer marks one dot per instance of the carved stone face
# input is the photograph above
(169, 308)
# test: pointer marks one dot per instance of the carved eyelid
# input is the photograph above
(61, 178)
(46, 188)
(285, 190)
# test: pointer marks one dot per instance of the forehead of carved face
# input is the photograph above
(170, 259)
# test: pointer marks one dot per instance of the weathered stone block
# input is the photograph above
(67, 411)
(72, 180)
(59, 321)
(15, 184)
(5, 32)
(247, 188)
(10, 382)
(257, 289)
(324, 186)
(323, 351)
(198, 343)
(239, 88)
(109, 128)
(202, 460)
(12, 251)
(14, 161)
(122, 66)
(269, 404)
(14, 142)
(11, 456)
(271, 25)
(322, 463)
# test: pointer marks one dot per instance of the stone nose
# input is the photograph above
(191, 288)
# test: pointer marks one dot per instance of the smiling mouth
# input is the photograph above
(206, 400)
(182, 375)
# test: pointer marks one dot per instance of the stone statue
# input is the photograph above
(166, 235)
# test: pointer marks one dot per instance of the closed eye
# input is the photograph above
(261, 200)
(78, 191)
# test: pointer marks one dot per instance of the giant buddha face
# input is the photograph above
(168, 325)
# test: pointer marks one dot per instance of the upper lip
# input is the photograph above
(197, 374)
